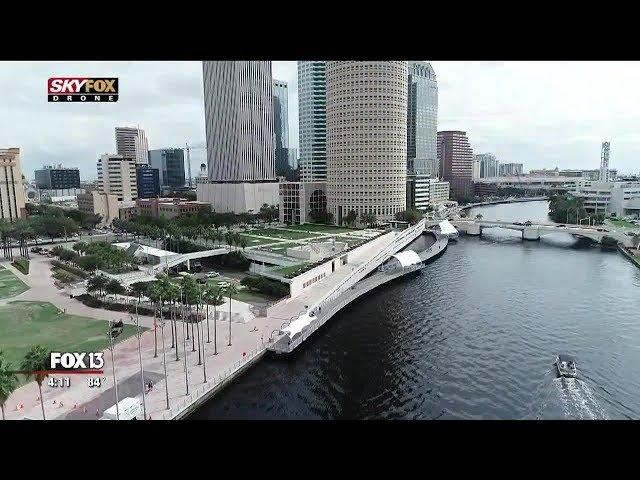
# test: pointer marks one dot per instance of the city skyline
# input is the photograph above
(541, 114)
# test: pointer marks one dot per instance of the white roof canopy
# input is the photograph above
(446, 228)
(407, 258)
(298, 325)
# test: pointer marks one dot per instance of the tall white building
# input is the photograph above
(11, 188)
(117, 176)
(366, 138)
(488, 165)
(238, 107)
(422, 119)
(312, 117)
(131, 142)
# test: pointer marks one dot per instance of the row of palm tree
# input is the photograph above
(173, 234)
(34, 364)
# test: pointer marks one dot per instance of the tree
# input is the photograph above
(8, 381)
(368, 218)
(139, 288)
(97, 283)
(35, 363)
(412, 216)
(230, 291)
(243, 242)
(80, 247)
(636, 240)
(191, 296)
(213, 296)
(89, 263)
(351, 217)
(114, 287)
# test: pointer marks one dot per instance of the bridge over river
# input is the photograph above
(533, 231)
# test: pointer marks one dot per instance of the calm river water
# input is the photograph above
(474, 336)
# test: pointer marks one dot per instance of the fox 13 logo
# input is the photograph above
(82, 89)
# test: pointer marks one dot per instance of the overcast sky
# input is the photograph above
(542, 114)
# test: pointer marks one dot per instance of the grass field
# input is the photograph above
(253, 241)
(624, 223)
(10, 285)
(278, 234)
(284, 271)
(23, 324)
(315, 227)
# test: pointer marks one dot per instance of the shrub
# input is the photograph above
(266, 285)
(609, 242)
(89, 301)
(22, 265)
(69, 268)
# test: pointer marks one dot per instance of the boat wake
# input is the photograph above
(577, 400)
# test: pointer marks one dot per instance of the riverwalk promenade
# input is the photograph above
(186, 388)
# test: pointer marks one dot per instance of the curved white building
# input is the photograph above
(366, 138)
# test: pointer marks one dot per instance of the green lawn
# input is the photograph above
(253, 241)
(284, 271)
(624, 223)
(278, 234)
(281, 247)
(10, 285)
(316, 227)
(23, 324)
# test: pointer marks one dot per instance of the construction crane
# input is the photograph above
(189, 160)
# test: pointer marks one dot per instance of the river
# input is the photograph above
(474, 336)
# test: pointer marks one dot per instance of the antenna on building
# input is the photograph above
(604, 162)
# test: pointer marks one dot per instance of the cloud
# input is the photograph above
(542, 114)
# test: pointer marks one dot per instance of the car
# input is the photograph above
(566, 365)
(602, 230)
(36, 249)
(528, 223)
(213, 274)
(561, 226)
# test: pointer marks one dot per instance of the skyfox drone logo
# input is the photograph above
(82, 89)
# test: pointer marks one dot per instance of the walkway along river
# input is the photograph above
(473, 336)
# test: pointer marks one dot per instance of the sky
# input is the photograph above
(541, 114)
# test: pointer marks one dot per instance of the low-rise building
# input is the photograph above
(298, 199)
(617, 199)
(169, 207)
(104, 204)
(424, 191)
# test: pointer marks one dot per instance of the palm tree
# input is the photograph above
(8, 381)
(35, 363)
(213, 296)
(154, 292)
(230, 291)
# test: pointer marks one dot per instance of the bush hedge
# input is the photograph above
(94, 302)
(71, 269)
(266, 285)
(22, 265)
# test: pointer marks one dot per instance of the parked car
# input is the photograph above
(36, 249)
(528, 223)
(561, 226)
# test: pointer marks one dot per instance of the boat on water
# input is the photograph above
(566, 366)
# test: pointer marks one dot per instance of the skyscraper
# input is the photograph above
(131, 142)
(312, 113)
(281, 126)
(170, 165)
(148, 181)
(366, 138)
(456, 162)
(489, 167)
(422, 119)
(11, 189)
(117, 176)
(238, 106)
